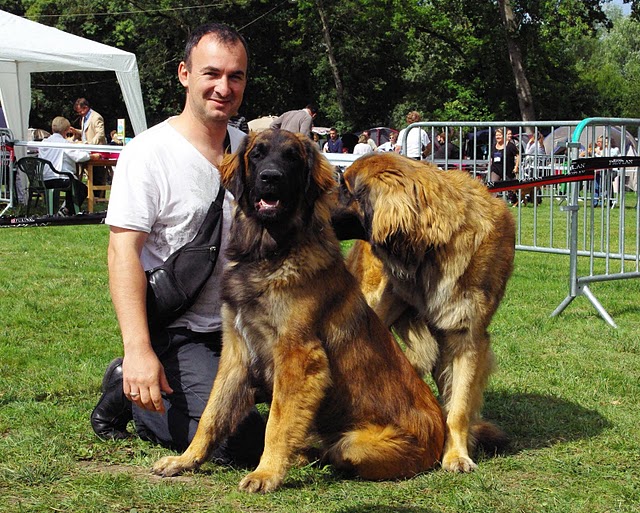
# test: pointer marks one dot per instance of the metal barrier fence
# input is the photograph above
(595, 222)
(7, 189)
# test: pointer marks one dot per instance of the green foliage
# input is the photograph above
(613, 66)
(446, 59)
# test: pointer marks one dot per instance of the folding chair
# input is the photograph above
(34, 168)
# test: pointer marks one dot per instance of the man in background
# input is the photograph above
(91, 124)
(91, 132)
(298, 121)
(334, 143)
(64, 160)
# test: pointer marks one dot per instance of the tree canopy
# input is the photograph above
(366, 62)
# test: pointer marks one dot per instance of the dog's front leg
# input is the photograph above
(301, 377)
(462, 378)
(230, 401)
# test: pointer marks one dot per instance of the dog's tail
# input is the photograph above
(490, 437)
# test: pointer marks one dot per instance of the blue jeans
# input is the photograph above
(190, 363)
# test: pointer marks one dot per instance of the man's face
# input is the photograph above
(333, 134)
(216, 79)
(81, 110)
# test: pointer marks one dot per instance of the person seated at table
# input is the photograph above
(115, 139)
(64, 160)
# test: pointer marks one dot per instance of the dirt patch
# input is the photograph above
(137, 471)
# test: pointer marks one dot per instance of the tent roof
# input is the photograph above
(49, 49)
(27, 47)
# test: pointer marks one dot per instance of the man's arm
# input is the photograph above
(305, 126)
(142, 371)
(98, 125)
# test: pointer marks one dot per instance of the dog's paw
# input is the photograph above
(458, 464)
(260, 482)
(170, 466)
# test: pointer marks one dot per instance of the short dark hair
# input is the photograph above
(313, 108)
(81, 102)
(224, 33)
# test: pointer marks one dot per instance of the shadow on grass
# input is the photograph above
(534, 421)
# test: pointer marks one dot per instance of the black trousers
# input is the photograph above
(74, 196)
(190, 363)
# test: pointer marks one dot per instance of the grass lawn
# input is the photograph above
(567, 390)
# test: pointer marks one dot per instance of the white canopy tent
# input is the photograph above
(27, 47)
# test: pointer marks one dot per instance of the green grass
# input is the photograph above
(566, 390)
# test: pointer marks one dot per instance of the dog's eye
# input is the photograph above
(258, 151)
(291, 154)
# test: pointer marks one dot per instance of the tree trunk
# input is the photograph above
(523, 89)
(333, 64)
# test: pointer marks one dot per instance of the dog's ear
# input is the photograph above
(320, 176)
(233, 168)
(398, 206)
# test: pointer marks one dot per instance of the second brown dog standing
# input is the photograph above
(441, 254)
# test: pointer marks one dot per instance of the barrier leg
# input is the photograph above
(598, 306)
(560, 308)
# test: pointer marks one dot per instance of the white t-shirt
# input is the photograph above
(362, 149)
(164, 186)
(417, 138)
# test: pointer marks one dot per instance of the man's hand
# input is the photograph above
(144, 380)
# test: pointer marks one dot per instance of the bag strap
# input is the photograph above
(207, 234)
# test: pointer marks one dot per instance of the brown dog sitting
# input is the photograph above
(297, 327)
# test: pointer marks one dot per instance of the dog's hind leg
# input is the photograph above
(229, 403)
(462, 376)
(378, 452)
(301, 377)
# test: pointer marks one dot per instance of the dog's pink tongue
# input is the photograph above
(265, 204)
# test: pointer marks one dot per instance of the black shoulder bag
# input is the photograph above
(175, 285)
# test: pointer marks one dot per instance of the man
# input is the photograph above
(298, 121)
(92, 124)
(165, 181)
(64, 160)
(445, 149)
(334, 143)
(418, 143)
(91, 132)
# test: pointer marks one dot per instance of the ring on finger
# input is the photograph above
(134, 394)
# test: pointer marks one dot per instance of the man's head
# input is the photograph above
(223, 33)
(81, 107)
(313, 109)
(413, 117)
(60, 125)
(333, 133)
(214, 72)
